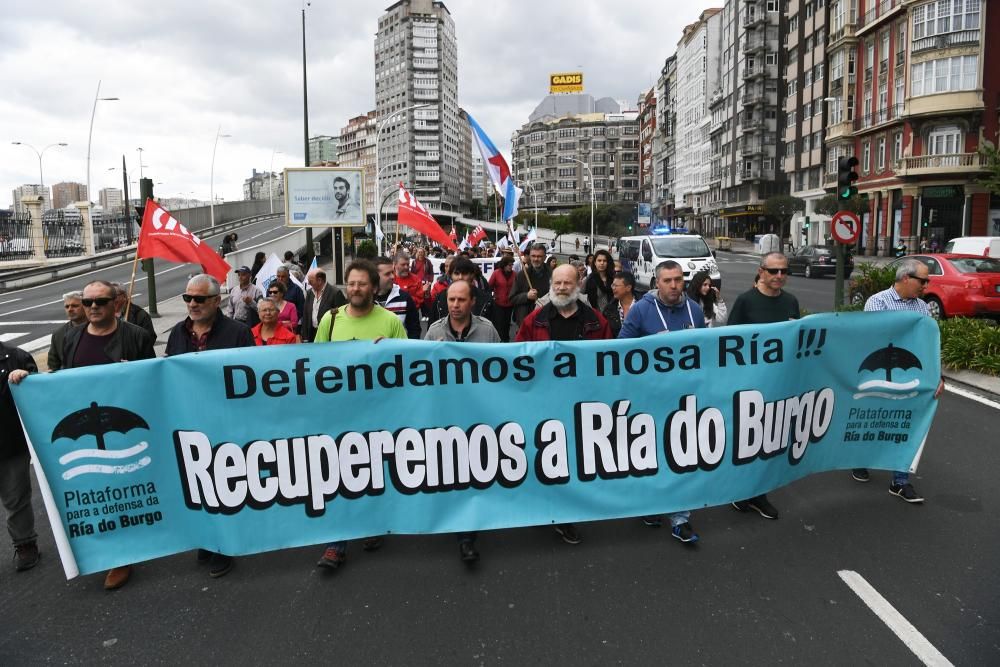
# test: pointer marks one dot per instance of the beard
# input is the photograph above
(560, 301)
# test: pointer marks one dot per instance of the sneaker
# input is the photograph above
(219, 565)
(117, 577)
(467, 551)
(906, 492)
(861, 475)
(26, 556)
(763, 507)
(372, 544)
(567, 532)
(204, 555)
(332, 558)
(741, 505)
(684, 532)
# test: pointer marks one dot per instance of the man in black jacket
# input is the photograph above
(76, 315)
(523, 294)
(206, 328)
(320, 298)
(105, 339)
(15, 480)
(463, 268)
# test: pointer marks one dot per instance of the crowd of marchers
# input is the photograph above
(533, 297)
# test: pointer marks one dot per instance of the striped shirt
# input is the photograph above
(890, 300)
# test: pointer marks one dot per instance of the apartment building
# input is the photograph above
(647, 130)
(663, 141)
(30, 191)
(357, 149)
(323, 149)
(111, 200)
(64, 194)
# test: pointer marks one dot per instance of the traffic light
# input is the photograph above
(630, 226)
(805, 223)
(846, 175)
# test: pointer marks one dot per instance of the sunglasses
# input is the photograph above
(775, 272)
(100, 301)
(197, 298)
(273, 291)
(923, 281)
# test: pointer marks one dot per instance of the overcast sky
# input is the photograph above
(183, 68)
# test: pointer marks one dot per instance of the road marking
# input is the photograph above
(37, 344)
(972, 396)
(37, 305)
(902, 628)
(8, 301)
(11, 336)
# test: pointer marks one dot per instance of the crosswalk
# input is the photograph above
(25, 339)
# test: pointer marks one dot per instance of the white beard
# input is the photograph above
(563, 301)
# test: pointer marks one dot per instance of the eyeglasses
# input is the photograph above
(100, 301)
(923, 281)
(197, 298)
(273, 291)
(775, 272)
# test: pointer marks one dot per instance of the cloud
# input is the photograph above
(182, 69)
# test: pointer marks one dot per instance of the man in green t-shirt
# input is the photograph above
(360, 319)
(765, 302)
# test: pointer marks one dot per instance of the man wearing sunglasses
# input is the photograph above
(105, 339)
(766, 302)
(911, 278)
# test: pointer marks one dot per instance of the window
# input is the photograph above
(883, 50)
(944, 75)
(883, 101)
(897, 96)
(772, 5)
(771, 59)
(837, 65)
(943, 16)
(807, 143)
(897, 147)
(880, 153)
(945, 140)
(866, 157)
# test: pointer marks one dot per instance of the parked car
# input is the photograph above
(960, 285)
(984, 246)
(642, 254)
(814, 261)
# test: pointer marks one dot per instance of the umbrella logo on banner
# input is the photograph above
(886, 359)
(97, 421)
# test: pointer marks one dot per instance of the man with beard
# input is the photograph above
(564, 317)
(360, 319)
(524, 294)
(347, 208)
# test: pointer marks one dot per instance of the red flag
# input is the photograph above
(453, 235)
(476, 235)
(412, 214)
(162, 236)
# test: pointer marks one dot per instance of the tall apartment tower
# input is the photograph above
(746, 112)
(697, 79)
(416, 63)
(30, 190)
(357, 149)
(647, 131)
(664, 153)
(64, 194)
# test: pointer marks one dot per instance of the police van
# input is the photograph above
(642, 254)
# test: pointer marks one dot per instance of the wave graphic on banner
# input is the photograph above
(105, 454)
(898, 387)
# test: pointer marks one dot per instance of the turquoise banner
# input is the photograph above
(246, 451)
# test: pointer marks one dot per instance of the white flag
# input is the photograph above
(528, 240)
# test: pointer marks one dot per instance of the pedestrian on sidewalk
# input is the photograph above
(15, 476)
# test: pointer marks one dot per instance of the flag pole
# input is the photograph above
(131, 283)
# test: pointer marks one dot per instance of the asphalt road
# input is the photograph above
(751, 592)
(738, 270)
(28, 315)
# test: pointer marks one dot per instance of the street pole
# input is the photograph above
(145, 194)
(838, 285)
(90, 133)
(305, 137)
(378, 172)
(591, 175)
(211, 204)
(41, 177)
(270, 180)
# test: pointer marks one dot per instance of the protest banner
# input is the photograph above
(243, 451)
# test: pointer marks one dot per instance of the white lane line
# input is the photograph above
(11, 336)
(902, 628)
(972, 396)
(8, 301)
(37, 344)
(37, 305)
(172, 268)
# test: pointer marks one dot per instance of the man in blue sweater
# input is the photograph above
(663, 310)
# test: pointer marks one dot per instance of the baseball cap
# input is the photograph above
(243, 269)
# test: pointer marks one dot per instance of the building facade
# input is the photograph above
(323, 149)
(111, 200)
(30, 190)
(664, 170)
(65, 194)
(263, 186)
(416, 63)
(647, 131)
(357, 149)
(558, 155)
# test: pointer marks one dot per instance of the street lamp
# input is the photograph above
(90, 134)
(218, 135)
(378, 183)
(139, 151)
(591, 174)
(41, 179)
(270, 178)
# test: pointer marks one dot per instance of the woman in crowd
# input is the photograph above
(258, 264)
(552, 262)
(598, 285)
(623, 291)
(501, 281)
(589, 261)
(270, 331)
(287, 313)
(422, 268)
(701, 291)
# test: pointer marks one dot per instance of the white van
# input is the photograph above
(642, 254)
(984, 246)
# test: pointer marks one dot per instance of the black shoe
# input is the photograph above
(204, 555)
(652, 521)
(26, 556)
(567, 532)
(372, 544)
(332, 558)
(685, 533)
(906, 492)
(763, 507)
(741, 505)
(467, 551)
(861, 475)
(219, 565)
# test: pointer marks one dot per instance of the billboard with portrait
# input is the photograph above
(324, 197)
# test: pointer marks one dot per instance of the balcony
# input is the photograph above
(759, 71)
(879, 11)
(428, 176)
(751, 149)
(838, 130)
(754, 44)
(960, 38)
(425, 95)
(753, 97)
(934, 165)
(829, 179)
(754, 20)
(753, 124)
(841, 35)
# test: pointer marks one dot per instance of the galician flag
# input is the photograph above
(498, 170)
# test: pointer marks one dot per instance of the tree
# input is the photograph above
(782, 208)
(991, 156)
(560, 224)
(830, 204)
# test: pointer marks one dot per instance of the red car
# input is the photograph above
(960, 285)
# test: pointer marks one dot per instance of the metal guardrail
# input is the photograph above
(15, 236)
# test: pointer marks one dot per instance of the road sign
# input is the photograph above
(845, 227)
